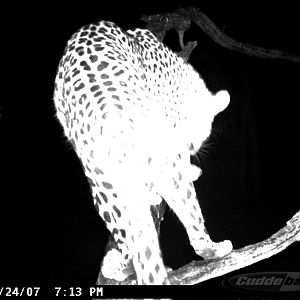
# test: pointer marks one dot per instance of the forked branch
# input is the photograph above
(181, 19)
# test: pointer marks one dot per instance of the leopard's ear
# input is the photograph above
(220, 101)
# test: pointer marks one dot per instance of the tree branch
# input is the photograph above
(198, 271)
(181, 19)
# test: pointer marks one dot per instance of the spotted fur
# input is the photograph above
(134, 112)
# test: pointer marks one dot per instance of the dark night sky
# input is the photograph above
(248, 188)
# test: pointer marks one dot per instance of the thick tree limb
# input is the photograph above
(198, 271)
(181, 19)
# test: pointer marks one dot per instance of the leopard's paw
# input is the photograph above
(215, 250)
(223, 248)
(113, 266)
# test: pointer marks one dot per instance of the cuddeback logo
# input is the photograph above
(265, 282)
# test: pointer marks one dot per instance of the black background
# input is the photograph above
(249, 187)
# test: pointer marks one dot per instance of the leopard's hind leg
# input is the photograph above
(123, 202)
(179, 192)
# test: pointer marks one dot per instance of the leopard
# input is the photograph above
(135, 113)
